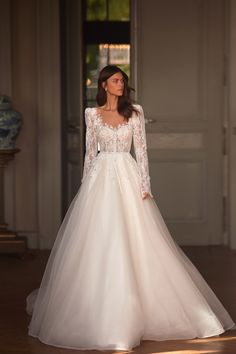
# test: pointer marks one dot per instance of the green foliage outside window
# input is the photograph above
(107, 10)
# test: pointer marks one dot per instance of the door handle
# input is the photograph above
(150, 120)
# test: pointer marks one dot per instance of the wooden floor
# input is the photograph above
(19, 277)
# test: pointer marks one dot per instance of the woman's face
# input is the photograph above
(115, 84)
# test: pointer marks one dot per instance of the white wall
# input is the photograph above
(30, 74)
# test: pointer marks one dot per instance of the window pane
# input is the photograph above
(96, 10)
(118, 10)
(107, 10)
(92, 70)
(116, 54)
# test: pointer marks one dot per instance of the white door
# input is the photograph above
(178, 74)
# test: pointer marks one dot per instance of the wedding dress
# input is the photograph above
(115, 276)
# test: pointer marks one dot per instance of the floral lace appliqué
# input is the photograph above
(117, 139)
(118, 126)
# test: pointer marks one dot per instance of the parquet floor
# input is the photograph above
(18, 277)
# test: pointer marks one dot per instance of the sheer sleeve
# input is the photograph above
(140, 148)
(90, 142)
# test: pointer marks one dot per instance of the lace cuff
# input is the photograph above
(90, 143)
(140, 148)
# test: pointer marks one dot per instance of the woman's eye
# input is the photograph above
(116, 81)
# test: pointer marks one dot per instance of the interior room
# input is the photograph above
(180, 57)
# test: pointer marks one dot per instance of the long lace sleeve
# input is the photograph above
(90, 143)
(140, 148)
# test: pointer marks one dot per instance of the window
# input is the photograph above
(107, 10)
(106, 41)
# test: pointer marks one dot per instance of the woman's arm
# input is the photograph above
(140, 148)
(90, 142)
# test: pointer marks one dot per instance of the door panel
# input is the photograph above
(178, 66)
(72, 99)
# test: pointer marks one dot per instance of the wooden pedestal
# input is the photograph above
(9, 241)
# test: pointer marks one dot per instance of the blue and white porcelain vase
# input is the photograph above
(10, 123)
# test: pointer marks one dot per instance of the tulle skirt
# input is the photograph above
(115, 276)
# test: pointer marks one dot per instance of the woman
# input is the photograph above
(115, 276)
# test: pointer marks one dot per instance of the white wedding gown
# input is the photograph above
(115, 276)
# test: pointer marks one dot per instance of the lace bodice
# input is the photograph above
(117, 139)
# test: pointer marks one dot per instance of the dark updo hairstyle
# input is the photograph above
(125, 107)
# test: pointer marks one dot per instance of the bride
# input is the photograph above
(115, 276)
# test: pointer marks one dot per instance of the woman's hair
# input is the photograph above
(125, 106)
